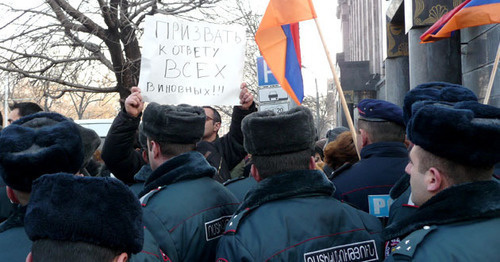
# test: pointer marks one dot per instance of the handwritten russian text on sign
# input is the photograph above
(194, 63)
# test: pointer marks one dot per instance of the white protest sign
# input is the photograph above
(196, 63)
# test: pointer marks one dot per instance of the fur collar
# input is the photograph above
(142, 175)
(288, 185)
(16, 219)
(190, 165)
(384, 149)
(464, 202)
(400, 186)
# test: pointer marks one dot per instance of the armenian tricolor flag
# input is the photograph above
(278, 41)
(468, 14)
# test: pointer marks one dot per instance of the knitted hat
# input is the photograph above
(96, 210)
(332, 134)
(38, 144)
(465, 132)
(182, 124)
(268, 133)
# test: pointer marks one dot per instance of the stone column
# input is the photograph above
(396, 65)
(439, 61)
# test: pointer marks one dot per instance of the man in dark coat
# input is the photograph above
(381, 135)
(184, 208)
(402, 206)
(290, 215)
(38, 144)
(450, 168)
(124, 161)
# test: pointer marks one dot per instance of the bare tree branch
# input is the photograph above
(62, 82)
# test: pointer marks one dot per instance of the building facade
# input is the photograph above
(383, 57)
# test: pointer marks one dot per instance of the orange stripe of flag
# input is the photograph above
(469, 17)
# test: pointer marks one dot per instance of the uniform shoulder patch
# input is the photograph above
(408, 246)
(215, 228)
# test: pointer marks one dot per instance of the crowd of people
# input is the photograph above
(423, 186)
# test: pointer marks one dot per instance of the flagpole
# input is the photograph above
(492, 77)
(339, 89)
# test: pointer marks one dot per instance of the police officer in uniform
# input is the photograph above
(38, 144)
(451, 166)
(291, 215)
(381, 135)
(184, 208)
(402, 206)
(72, 218)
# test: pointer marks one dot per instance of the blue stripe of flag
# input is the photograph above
(481, 2)
(293, 72)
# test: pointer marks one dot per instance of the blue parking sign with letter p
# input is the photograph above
(264, 74)
(379, 205)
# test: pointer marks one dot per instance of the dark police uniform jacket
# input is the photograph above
(294, 217)
(240, 186)
(140, 178)
(460, 223)
(185, 209)
(150, 252)
(14, 242)
(381, 165)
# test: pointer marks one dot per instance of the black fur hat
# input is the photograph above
(268, 133)
(182, 124)
(38, 144)
(436, 91)
(90, 139)
(96, 210)
(465, 132)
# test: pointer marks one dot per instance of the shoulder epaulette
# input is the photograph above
(233, 223)
(408, 246)
(144, 199)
